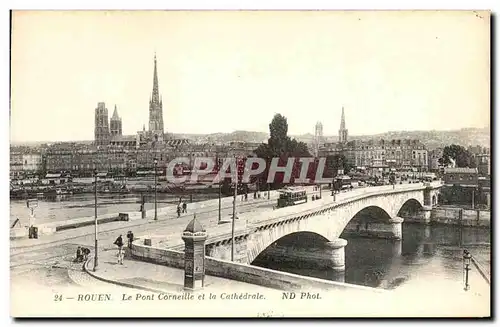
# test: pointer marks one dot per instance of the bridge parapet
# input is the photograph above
(325, 204)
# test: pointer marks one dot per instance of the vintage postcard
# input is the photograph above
(250, 164)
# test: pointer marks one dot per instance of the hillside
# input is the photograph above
(432, 139)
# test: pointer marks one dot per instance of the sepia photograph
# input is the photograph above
(250, 164)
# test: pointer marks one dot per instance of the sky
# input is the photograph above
(227, 71)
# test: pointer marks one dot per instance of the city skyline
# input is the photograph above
(51, 84)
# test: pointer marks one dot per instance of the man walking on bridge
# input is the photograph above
(119, 243)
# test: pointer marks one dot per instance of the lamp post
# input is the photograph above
(268, 184)
(95, 219)
(467, 260)
(156, 203)
(219, 163)
(234, 213)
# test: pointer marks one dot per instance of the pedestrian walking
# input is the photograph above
(178, 211)
(79, 257)
(119, 243)
(85, 253)
(184, 207)
(130, 237)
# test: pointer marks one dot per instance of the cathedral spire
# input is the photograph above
(156, 97)
(115, 114)
(342, 131)
(342, 119)
(156, 108)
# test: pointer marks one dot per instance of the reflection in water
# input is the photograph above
(425, 253)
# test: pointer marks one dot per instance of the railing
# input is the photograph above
(341, 198)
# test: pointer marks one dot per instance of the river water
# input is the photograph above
(432, 253)
(82, 205)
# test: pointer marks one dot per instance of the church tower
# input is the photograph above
(342, 130)
(101, 127)
(318, 137)
(156, 110)
(115, 124)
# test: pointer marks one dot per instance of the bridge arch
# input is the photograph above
(372, 221)
(260, 242)
(293, 243)
(410, 207)
(371, 213)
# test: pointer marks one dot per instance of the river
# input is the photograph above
(432, 253)
(82, 205)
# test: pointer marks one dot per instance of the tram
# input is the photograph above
(291, 196)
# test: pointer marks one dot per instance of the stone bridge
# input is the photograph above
(314, 229)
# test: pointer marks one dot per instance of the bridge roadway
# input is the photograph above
(28, 254)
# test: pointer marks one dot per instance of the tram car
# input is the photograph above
(291, 196)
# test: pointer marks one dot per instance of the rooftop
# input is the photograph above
(194, 226)
(123, 138)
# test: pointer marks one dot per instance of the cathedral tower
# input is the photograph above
(115, 124)
(156, 110)
(318, 137)
(101, 129)
(342, 130)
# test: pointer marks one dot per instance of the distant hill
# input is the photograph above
(435, 139)
(432, 139)
(236, 136)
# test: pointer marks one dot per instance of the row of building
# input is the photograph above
(393, 154)
(84, 160)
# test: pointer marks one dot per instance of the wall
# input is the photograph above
(223, 251)
(315, 257)
(242, 272)
(78, 222)
(470, 217)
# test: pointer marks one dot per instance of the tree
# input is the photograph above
(336, 162)
(459, 154)
(280, 145)
(278, 129)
